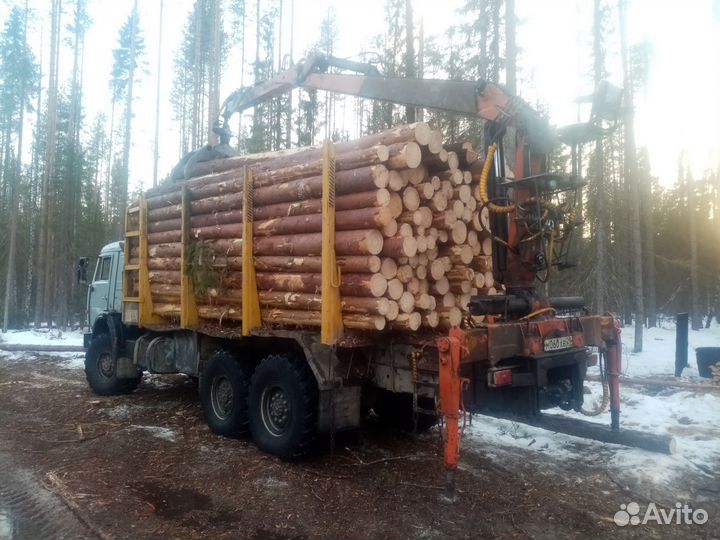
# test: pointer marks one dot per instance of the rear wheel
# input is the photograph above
(101, 372)
(283, 406)
(224, 384)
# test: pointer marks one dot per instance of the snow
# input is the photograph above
(42, 336)
(658, 356)
(160, 432)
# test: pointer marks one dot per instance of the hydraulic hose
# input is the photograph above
(484, 175)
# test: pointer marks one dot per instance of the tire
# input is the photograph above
(395, 410)
(283, 407)
(224, 384)
(100, 369)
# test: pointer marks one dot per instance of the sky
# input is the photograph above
(678, 110)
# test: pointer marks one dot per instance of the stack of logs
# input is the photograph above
(411, 239)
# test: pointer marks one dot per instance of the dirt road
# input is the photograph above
(74, 465)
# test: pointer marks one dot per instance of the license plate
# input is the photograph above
(558, 343)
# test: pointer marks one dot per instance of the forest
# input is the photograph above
(648, 250)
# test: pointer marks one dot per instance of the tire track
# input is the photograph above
(29, 511)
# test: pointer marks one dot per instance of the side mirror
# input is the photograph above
(82, 270)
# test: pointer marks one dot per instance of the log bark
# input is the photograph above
(369, 285)
(362, 242)
(399, 247)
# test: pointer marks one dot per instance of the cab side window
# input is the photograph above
(102, 270)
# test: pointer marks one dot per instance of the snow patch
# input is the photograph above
(270, 483)
(157, 431)
(43, 336)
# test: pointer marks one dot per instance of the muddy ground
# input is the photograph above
(75, 465)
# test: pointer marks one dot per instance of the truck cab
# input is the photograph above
(104, 295)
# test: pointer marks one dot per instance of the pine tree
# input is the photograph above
(17, 87)
(45, 247)
(632, 179)
(127, 59)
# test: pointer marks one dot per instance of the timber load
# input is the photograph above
(411, 240)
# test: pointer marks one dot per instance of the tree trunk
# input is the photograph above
(156, 145)
(695, 315)
(632, 178)
(601, 218)
(45, 248)
(510, 48)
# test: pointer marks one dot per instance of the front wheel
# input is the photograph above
(283, 406)
(101, 369)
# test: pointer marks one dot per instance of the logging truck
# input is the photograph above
(394, 273)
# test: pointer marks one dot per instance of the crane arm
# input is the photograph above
(469, 98)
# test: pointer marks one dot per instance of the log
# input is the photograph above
(404, 273)
(653, 442)
(267, 173)
(395, 289)
(373, 285)
(449, 300)
(349, 264)
(364, 242)
(390, 229)
(313, 302)
(430, 319)
(410, 199)
(393, 311)
(399, 247)
(449, 317)
(407, 321)
(487, 246)
(287, 317)
(415, 175)
(396, 181)
(458, 234)
(406, 302)
(435, 144)
(437, 269)
(458, 254)
(440, 287)
(227, 208)
(405, 230)
(389, 267)
(404, 156)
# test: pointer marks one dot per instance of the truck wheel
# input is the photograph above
(100, 369)
(283, 406)
(395, 410)
(224, 383)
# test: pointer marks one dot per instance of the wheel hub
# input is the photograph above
(222, 397)
(106, 366)
(276, 410)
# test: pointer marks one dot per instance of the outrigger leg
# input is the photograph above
(451, 349)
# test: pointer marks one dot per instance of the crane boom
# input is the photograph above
(481, 99)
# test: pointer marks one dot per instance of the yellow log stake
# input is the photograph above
(188, 306)
(250, 299)
(332, 324)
